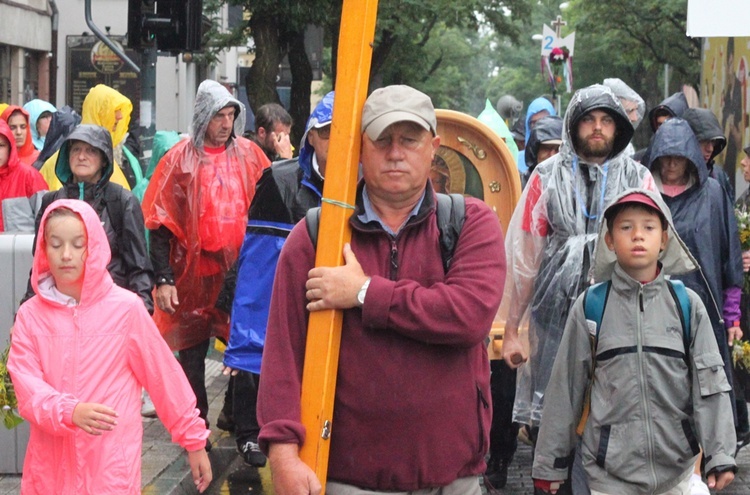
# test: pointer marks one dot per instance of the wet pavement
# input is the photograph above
(165, 470)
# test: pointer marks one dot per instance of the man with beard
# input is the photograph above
(551, 239)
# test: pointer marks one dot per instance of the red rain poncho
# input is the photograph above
(16, 178)
(203, 199)
(26, 153)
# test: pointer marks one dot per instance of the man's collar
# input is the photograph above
(369, 214)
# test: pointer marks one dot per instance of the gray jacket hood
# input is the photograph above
(210, 98)
(98, 137)
(676, 259)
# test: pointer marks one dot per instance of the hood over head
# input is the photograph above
(676, 138)
(28, 146)
(675, 105)
(96, 136)
(13, 159)
(209, 100)
(495, 121)
(163, 142)
(518, 129)
(675, 259)
(625, 92)
(706, 127)
(535, 107)
(321, 116)
(597, 97)
(36, 108)
(547, 129)
(96, 278)
(100, 106)
(63, 122)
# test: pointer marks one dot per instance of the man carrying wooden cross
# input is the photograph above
(412, 408)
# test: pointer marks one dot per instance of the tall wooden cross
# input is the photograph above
(558, 24)
(324, 327)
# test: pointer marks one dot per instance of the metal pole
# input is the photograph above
(99, 34)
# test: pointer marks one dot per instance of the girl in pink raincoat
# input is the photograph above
(81, 350)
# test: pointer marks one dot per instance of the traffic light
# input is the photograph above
(172, 25)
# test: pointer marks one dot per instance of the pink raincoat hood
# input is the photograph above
(96, 279)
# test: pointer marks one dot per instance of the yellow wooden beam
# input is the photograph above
(324, 327)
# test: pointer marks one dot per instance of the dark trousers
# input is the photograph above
(245, 399)
(504, 432)
(740, 391)
(193, 362)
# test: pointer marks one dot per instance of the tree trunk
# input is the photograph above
(301, 70)
(261, 79)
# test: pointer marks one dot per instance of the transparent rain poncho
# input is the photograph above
(551, 238)
(203, 199)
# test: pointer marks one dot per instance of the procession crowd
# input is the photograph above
(618, 282)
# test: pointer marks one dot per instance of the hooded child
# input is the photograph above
(648, 371)
(81, 351)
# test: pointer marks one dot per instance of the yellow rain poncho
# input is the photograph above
(99, 108)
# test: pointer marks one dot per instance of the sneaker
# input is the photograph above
(697, 486)
(225, 422)
(251, 454)
(147, 406)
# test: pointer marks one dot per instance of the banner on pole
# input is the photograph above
(707, 18)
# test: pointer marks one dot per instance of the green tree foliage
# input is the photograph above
(633, 40)
(434, 45)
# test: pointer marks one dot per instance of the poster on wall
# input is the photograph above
(91, 62)
(725, 91)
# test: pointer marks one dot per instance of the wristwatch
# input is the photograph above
(362, 293)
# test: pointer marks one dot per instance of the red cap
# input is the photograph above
(639, 198)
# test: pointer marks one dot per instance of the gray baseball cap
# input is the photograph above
(386, 106)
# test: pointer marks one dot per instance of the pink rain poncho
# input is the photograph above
(102, 350)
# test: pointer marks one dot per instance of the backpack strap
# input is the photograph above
(113, 201)
(451, 213)
(312, 222)
(681, 299)
(594, 301)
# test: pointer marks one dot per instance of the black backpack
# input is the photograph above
(451, 210)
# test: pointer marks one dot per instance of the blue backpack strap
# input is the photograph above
(681, 299)
(594, 302)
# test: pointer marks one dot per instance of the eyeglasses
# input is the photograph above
(324, 132)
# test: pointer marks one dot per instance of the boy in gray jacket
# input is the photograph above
(657, 387)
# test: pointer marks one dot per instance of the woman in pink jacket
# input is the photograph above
(81, 350)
